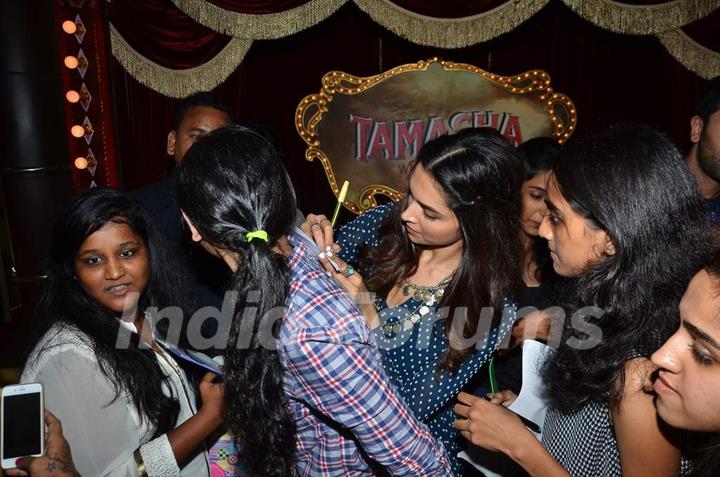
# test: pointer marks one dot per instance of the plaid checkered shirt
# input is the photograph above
(350, 419)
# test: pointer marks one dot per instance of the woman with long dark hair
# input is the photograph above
(687, 386)
(538, 277)
(125, 405)
(537, 155)
(444, 263)
(626, 221)
(316, 401)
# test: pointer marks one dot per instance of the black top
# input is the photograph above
(539, 296)
(508, 365)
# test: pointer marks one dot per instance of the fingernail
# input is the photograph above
(19, 462)
(329, 253)
(334, 265)
(328, 248)
(321, 256)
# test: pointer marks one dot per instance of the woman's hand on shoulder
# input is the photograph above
(353, 283)
(320, 229)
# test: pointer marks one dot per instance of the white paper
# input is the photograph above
(530, 403)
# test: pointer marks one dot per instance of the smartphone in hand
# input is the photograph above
(23, 427)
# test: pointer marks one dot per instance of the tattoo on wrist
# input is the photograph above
(57, 463)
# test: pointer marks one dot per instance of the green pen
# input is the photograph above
(493, 379)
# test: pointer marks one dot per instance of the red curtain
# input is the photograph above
(610, 77)
(164, 34)
(706, 31)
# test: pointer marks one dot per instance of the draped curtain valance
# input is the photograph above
(190, 45)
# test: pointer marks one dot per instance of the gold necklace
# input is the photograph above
(429, 295)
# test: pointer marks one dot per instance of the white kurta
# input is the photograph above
(103, 434)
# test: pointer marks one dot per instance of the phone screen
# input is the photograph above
(21, 425)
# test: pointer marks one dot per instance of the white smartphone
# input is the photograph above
(23, 424)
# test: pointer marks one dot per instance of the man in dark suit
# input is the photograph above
(196, 116)
(704, 155)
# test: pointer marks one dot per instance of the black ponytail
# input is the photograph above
(232, 183)
(255, 408)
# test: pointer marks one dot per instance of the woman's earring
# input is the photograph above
(610, 248)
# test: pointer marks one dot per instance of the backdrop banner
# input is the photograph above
(369, 130)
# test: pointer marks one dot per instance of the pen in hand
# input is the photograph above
(336, 212)
(341, 198)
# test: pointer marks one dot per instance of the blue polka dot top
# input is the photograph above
(411, 354)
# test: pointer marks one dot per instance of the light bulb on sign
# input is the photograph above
(69, 27)
(71, 62)
(72, 96)
(81, 163)
(77, 131)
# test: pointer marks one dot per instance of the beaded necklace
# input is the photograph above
(426, 294)
(429, 296)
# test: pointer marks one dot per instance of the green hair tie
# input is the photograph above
(261, 234)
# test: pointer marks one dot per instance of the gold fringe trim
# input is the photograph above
(702, 61)
(642, 19)
(182, 82)
(259, 27)
(662, 20)
(450, 32)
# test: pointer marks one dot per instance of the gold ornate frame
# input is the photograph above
(310, 112)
